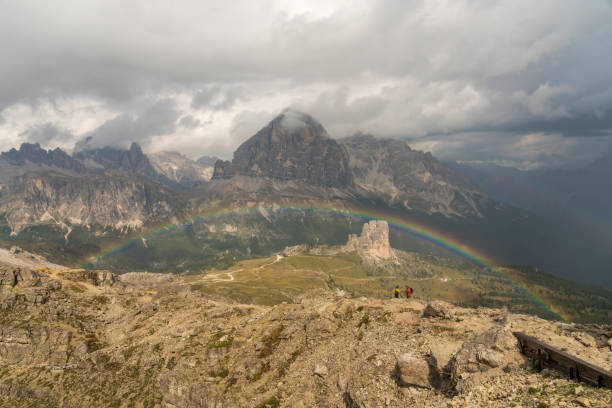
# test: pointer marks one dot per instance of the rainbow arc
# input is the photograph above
(437, 238)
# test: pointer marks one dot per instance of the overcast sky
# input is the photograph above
(520, 83)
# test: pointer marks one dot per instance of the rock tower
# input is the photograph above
(374, 240)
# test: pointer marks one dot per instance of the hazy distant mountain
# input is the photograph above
(181, 169)
(293, 146)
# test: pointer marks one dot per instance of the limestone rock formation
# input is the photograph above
(373, 241)
(413, 370)
(293, 146)
(95, 278)
(109, 199)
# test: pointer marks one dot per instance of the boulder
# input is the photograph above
(437, 309)
(320, 370)
(585, 339)
(413, 370)
(583, 402)
(15, 250)
(482, 357)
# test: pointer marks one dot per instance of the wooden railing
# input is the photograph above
(545, 355)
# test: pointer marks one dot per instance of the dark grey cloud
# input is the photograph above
(419, 70)
(47, 135)
(216, 97)
(121, 131)
(188, 121)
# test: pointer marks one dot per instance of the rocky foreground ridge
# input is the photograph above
(73, 338)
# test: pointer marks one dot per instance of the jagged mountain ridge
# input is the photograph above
(362, 165)
(36, 155)
(292, 155)
(111, 199)
(413, 178)
(105, 187)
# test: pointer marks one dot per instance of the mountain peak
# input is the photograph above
(293, 146)
(135, 147)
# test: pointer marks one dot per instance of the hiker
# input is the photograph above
(396, 292)
(408, 292)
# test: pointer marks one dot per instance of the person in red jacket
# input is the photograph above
(408, 292)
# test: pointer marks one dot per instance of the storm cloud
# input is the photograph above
(518, 82)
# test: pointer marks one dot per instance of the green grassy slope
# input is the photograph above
(271, 280)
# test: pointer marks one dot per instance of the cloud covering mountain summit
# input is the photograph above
(450, 75)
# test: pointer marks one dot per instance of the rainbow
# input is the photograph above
(422, 232)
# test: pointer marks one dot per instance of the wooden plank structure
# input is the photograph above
(577, 369)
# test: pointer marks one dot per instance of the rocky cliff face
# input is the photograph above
(109, 199)
(69, 340)
(373, 241)
(293, 146)
(415, 179)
